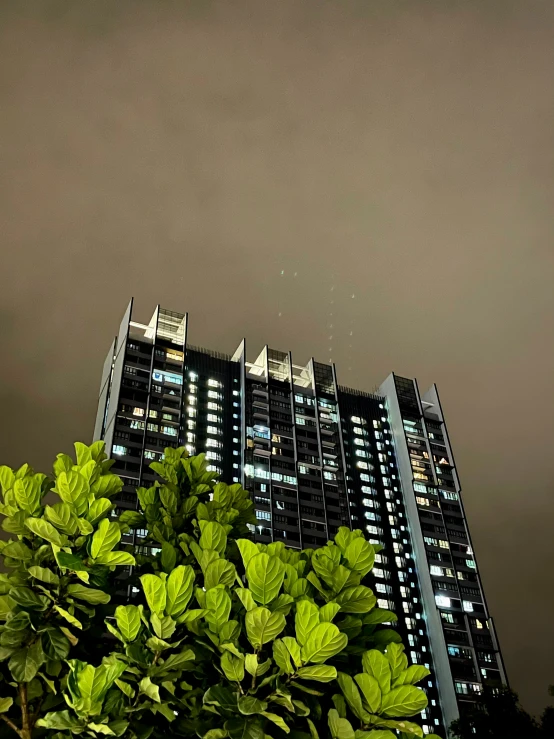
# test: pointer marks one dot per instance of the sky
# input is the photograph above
(188, 153)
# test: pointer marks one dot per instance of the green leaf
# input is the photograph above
(405, 700)
(213, 536)
(128, 621)
(179, 588)
(397, 659)
(377, 665)
(323, 642)
(247, 550)
(352, 695)
(71, 487)
(98, 509)
(218, 604)
(328, 611)
(245, 597)
(25, 663)
(375, 734)
(277, 720)
(321, 673)
(411, 675)
(116, 558)
(176, 661)
(54, 643)
(17, 550)
(163, 627)
(5, 704)
(223, 697)
(18, 622)
(262, 626)
(340, 728)
(147, 687)
(306, 619)
(68, 617)
(249, 705)
(28, 598)
(357, 599)
(125, 688)
(384, 637)
(281, 655)
(44, 575)
(6, 606)
(360, 556)
(232, 666)
(85, 528)
(379, 616)
(60, 721)
(168, 557)
(244, 728)
(155, 592)
(89, 595)
(265, 576)
(370, 690)
(61, 515)
(407, 727)
(251, 663)
(70, 562)
(229, 631)
(105, 538)
(219, 572)
(7, 478)
(340, 705)
(294, 648)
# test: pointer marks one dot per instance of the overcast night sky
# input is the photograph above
(186, 153)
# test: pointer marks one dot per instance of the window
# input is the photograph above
(263, 515)
(118, 449)
(138, 411)
(213, 406)
(149, 454)
(438, 571)
(442, 601)
(362, 465)
(214, 383)
(447, 617)
(468, 606)
(161, 375)
(214, 394)
(152, 427)
(169, 430)
(137, 425)
(329, 475)
(444, 544)
(213, 455)
(422, 501)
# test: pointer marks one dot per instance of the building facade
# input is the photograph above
(316, 456)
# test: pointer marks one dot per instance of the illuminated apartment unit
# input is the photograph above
(316, 456)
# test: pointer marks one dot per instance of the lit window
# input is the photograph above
(193, 376)
(329, 475)
(436, 570)
(152, 414)
(442, 601)
(470, 563)
(118, 449)
(362, 465)
(190, 436)
(356, 419)
(359, 442)
(213, 406)
(213, 443)
(169, 430)
(149, 454)
(214, 383)
(137, 425)
(468, 606)
(214, 430)
(213, 394)
(191, 411)
(152, 427)
(443, 544)
(422, 501)
(138, 411)
(380, 588)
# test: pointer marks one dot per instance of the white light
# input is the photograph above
(442, 601)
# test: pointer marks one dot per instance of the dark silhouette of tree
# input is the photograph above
(498, 715)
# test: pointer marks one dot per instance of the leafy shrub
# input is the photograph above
(222, 637)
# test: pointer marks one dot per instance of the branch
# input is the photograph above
(10, 724)
(36, 714)
(25, 732)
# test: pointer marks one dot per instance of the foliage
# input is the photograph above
(498, 715)
(226, 638)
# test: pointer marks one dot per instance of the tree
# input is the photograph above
(497, 715)
(225, 637)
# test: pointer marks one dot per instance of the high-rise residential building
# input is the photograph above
(316, 456)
